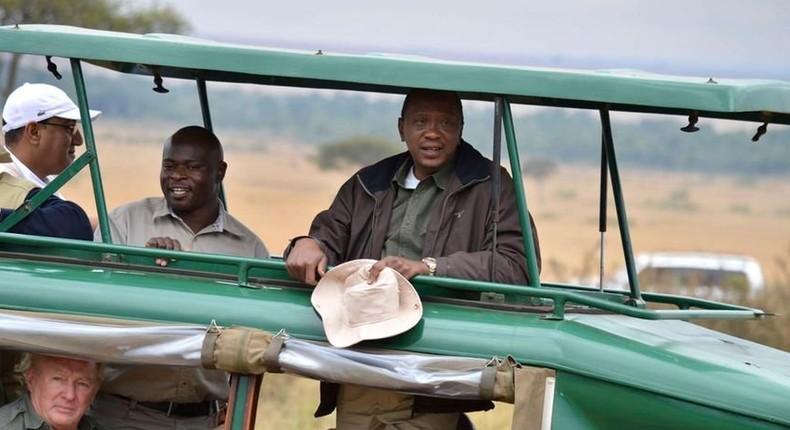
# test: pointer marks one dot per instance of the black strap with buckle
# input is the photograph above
(189, 410)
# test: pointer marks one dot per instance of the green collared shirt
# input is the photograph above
(411, 211)
(20, 415)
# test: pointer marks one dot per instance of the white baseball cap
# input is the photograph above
(39, 102)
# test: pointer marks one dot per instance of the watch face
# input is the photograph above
(431, 263)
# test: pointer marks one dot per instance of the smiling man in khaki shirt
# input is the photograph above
(189, 216)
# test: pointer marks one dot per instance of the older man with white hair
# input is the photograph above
(59, 391)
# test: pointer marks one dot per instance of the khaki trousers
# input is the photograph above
(114, 413)
(360, 408)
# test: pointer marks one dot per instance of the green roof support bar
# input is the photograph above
(90, 148)
(29, 206)
(206, 112)
(496, 181)
(619, 204)
(521, 196)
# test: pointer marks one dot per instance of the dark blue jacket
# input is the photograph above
(55, 217)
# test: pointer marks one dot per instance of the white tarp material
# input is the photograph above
(132, 342)
(443, 376)
(100, 339)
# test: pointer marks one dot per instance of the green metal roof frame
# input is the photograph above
(166, 55)
(615, 90)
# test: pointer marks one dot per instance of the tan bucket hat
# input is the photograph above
(353, 310)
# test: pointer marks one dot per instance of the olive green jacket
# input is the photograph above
(460, 232)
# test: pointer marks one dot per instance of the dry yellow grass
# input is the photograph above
(276, 192)
(717, 214)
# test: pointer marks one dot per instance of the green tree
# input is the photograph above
(115, 15)
(354, 151)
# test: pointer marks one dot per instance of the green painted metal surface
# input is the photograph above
(190, 58)
(585, 403)
(666, 362)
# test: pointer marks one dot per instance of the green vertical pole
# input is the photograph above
(90, 147)
(521, 196)
(496, 182)
(240, 403)
(619, 204)
(206, 112)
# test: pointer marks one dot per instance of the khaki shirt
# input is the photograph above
(135, 223)
(20, 415)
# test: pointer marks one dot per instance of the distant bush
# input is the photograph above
(354, 151)
(569, 195)
(773, 330)
(539, 168)
(678, 200)
(548, 215)
(740, 208)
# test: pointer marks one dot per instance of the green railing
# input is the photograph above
(254, 273)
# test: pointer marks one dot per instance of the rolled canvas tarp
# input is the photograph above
(253, 351)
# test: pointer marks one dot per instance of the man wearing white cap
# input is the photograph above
(41, 135)
(40, 127)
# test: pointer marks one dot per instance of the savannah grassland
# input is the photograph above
(277, 191)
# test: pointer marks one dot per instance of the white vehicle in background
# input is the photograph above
(705, 275)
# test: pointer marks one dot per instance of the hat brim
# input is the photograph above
(74, 114)
(327, 299)
(71, 114)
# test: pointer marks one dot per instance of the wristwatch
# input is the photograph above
(431, 263)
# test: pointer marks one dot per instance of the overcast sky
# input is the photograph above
(725, 38)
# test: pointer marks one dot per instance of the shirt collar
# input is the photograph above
(27, 173)
(440, 178)
(222, 223)
(32, 420)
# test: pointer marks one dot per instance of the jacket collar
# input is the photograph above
(32, 420)
(470, 166)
